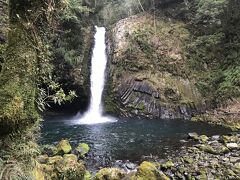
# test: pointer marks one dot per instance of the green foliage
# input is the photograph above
(2, 51)
(17, 153)
(214, 50)
(209, 11)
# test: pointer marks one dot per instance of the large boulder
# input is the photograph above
(64, 147)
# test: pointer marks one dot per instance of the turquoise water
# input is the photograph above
(126, 139)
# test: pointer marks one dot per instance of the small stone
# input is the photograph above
(232, 145)
(215, 137)
(167, 165)
(188, 160)
(183, 141)
(42, 159)
(193, 136)
(234, 159)
(207, 148)
(203, 138)
(130, 166)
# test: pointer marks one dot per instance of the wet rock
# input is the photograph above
(110, 173)
(69, 168)
(188, 160)
(206, 148)
(83, 149)
(130, 166)
(215, 137)
(203, 138)
(149, 170)
(70, 157)
(54, 159)
(167, 165)
(193, 136)
(229, 139)
(183, 141)
(87, 176)
(50, 150)
(232, 145)
(42, 159)
(63, 147)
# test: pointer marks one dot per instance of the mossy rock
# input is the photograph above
(64, 147)
(50, 150)
(207, 148)
(188, 160)
(70, 157)
(193, 136)
(167, 165)
(149, 171)
(87, 176)
(42, 159)
(203, 138)
(37, 173)
(229, 139)
(110, 173)
(70, 168)
(54, 160)
(83, 149)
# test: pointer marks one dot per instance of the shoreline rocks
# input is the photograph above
(212, 157)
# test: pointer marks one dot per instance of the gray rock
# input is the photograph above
(193, 136)
(215, 138)
(232, 145)
(130, 166)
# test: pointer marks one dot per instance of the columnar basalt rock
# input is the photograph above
(148, 75)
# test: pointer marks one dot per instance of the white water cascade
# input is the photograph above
(98, 66)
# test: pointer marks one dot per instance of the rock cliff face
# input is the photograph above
(148, 75)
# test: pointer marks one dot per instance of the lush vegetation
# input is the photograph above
(214, 52)
(213, 48)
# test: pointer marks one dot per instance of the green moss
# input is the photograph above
(141, 106)
(110, 173)
(18, 82)
(64, 147)
(149, 170)
(83, 149)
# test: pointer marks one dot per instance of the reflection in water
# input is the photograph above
(125, 139)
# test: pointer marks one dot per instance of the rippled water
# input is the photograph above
(126, 139)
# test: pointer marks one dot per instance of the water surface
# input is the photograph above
(126, 139)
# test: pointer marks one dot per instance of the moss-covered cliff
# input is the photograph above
(175, 60)
(148, 71)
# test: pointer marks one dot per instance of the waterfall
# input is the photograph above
(98, 66)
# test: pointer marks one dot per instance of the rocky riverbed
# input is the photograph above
(215, 157)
